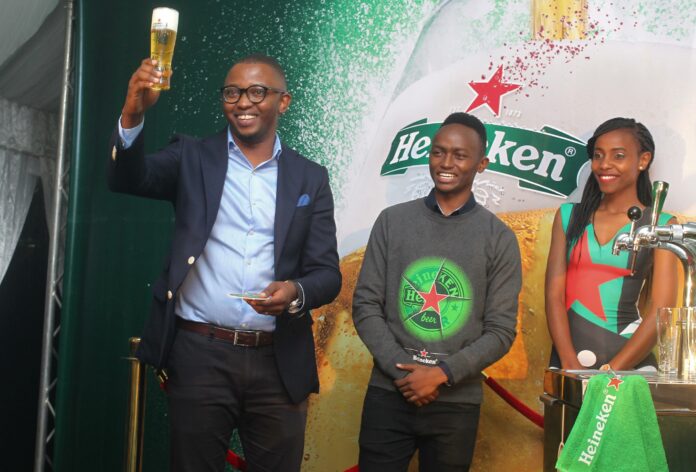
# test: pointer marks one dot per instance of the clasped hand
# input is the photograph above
(421, 385)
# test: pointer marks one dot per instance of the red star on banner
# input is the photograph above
(615, 382)
(583, 278)
(431, 299)
(423, 353)
(491, 93)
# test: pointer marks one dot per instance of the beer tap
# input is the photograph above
(679, 239)
(624, 241)
(647, 236)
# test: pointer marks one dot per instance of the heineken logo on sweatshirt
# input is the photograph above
(435, 299)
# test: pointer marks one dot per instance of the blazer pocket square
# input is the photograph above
(303, 200)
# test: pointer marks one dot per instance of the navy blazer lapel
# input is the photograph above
(214, 156)
(287, 193)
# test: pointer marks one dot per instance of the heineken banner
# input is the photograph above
(371, 82)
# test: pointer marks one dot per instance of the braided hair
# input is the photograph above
(592, 196)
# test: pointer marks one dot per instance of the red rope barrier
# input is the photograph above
(235, 461)
(514, 402)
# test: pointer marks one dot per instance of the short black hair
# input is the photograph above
(258, 58)
(470, 121)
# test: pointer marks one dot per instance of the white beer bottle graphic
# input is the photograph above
(577, 62)
(455, 47)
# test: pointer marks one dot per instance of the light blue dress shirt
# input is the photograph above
(239, 254)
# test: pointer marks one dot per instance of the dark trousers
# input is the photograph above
(392, 430)
(215, 387)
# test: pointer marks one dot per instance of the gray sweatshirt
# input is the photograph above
(438, 289)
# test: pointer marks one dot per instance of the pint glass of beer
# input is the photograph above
(165, 22)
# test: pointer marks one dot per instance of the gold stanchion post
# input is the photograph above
(136, 411)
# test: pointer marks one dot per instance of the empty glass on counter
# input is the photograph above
(676, 343)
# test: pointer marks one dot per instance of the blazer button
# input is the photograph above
(191, 260)
(113, 154)
(169, 295)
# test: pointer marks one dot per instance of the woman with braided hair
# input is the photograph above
(591, 294)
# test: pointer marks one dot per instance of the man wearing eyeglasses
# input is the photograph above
(254, 249)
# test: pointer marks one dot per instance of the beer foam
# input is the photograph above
(165, 18)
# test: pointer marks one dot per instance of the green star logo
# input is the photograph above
(435, 299)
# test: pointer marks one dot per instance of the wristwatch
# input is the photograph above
(297, 304)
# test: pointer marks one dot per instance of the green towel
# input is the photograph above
(616, 429)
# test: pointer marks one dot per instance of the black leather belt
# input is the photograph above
(238, 337)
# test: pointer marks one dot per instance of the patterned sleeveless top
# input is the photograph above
(602, 295)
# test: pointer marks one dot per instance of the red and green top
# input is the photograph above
(601, 294)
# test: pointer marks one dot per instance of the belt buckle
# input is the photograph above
(236, 342)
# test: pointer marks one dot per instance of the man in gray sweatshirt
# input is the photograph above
(435, 303)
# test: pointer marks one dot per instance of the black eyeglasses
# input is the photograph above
(255, 93)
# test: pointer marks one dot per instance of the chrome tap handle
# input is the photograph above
(634, 214)
(659, 194)
(624, 241)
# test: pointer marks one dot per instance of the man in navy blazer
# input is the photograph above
(251, 215)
